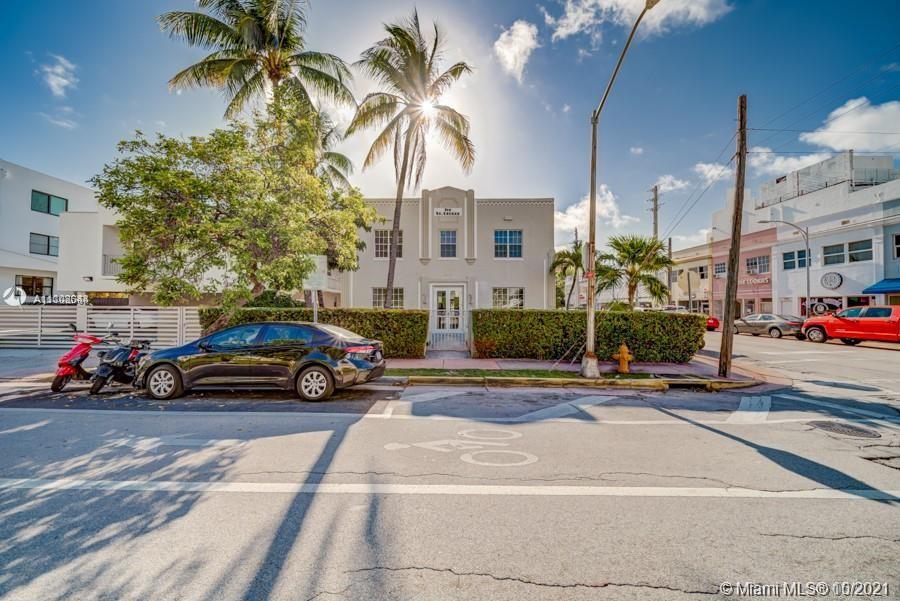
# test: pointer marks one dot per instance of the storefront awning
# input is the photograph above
(885, 286)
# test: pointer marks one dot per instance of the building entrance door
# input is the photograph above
(448, 318)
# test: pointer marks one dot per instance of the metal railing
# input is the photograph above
(448, 330)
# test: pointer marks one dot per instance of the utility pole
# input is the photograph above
(655, 212)
(669, 272)
(735, 250)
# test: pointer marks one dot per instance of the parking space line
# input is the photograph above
(369, 488)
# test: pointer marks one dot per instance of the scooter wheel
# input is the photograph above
(59, 382)
(98, 383)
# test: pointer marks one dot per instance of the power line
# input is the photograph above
(815, 131)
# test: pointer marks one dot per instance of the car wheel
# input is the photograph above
(851, 341)
(315, 384)
(98, 383)
(59, 382)
(736, 330)
(164, 382)
(774, 332)
(816, 335)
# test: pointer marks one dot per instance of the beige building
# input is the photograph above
(458, 253)
(696, 294)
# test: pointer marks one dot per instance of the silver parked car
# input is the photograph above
(775, 326)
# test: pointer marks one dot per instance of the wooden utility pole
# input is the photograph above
(669, 272)
(735, 251)
(655, 210)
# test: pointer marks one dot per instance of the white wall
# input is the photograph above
(18, 221)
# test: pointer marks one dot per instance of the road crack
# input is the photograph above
(831, 538)
(529, 582)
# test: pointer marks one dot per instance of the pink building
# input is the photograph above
(754, 291)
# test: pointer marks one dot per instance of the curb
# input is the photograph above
(497, 381)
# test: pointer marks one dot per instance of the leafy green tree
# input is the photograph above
(635, 262)
(407, 65)
(569, 260)
(257, 46)
(237, 212)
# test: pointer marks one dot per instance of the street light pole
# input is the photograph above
(589, 366)
(804, 231)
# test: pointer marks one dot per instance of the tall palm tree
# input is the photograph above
(256, 45)
(407, 65)
(634, 262)
(334, 166)
(569, 259)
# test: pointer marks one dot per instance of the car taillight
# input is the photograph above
(360, 352)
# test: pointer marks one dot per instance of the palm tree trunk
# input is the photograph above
(395, 230)
(571, 290)
(632, 289)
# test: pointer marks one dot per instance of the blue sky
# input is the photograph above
(79, 76)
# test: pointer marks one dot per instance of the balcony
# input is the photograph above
(111, 266)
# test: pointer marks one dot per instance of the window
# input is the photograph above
(35, 286)
(877, 312)
(287, 334)
(508, 298)
(833, 254)
(379, 294)
(854, 312)
(40, 244)
(702, 271)
(448, 244)
(47, 203)
(507, 244)
(234, 337)
(860, 251)
(382, 244)
(796, 259)
(719, 269)
(897, 246)
(757, 264)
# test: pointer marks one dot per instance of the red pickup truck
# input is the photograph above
(856, 324)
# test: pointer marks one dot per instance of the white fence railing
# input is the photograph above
(47, 326)
(448, 330)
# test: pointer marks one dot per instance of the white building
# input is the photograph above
(31, 206)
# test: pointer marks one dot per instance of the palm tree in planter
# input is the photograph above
(634, 262)
(569, 260)
(407, 65)
(257, 45)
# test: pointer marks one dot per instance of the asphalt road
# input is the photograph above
(862, 371)
(445, 494)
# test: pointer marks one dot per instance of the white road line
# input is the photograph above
(368, 488)
(780, 361)
(753, 409)
(805, 352)
(872, 414)
(564, 409)
(150, 443)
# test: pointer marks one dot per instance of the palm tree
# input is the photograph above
(634, 261)
(334, 166)
(256, 46)
(569, 259)
(407, 65)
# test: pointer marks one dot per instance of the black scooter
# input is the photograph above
(119, 364)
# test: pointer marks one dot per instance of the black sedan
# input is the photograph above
(312, 359)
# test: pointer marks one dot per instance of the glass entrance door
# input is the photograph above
(448, 308)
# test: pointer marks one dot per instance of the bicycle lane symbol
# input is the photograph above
(485, 447)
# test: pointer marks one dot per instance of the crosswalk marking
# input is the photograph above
(752, 410)
(564, 409)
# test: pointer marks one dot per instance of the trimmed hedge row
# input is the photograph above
(403, 332)
(653, 336)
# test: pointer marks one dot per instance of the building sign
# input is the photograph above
(753, 281)
(832, 280)
(447, 211)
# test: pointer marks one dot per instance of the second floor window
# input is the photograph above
(379, 294)
(40, 244)
(508, 298)
(795, 259)
(758, 264)
(448, 244)
(383, 245)
(719, 269)
(859, 251)
(897, 246)
(47, 203)
(702, 271)
(507, 244)
(833, 254)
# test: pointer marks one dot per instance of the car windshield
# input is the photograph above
(339, 331)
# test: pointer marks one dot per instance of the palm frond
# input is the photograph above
(198, 29)
(250, 88)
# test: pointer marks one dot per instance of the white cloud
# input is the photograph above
(59, 76)
(699, 237)
(891, 67)
(588, 16)
(670, 183)
(711, 172)
(63, 117)
(763, 162)
(859, 115)
(636, 150)
(514, 47)
(566, 108)
(578, 215)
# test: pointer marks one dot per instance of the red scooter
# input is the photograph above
(69, 365)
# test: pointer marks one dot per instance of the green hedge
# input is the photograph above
(402, 331)
(652, 336)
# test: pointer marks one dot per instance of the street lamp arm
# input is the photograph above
(595, 116)
(803, 232)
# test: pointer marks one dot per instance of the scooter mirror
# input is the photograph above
(73, 327)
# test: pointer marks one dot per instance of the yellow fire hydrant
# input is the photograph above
(624, 357)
